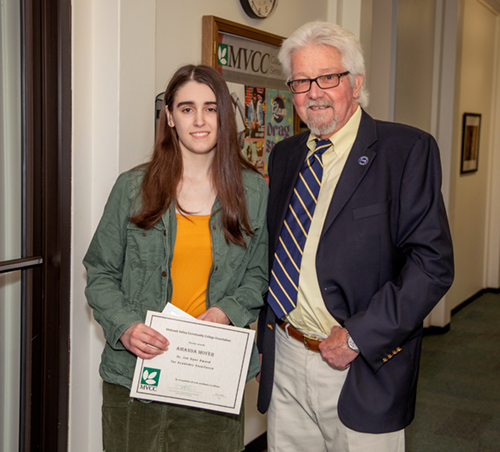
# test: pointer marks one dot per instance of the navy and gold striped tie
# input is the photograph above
(283, 287)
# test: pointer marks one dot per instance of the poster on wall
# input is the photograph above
(255, 107)
(237, 92)
(255, 104)
(263, 118)
(279, 119)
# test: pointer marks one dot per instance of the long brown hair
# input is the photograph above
(164, 171)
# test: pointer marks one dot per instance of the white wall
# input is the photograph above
(414, 63)
(380, 53)
(410, 54)
(469, 209)
(178, 36)
(492, 253)
(113, 82)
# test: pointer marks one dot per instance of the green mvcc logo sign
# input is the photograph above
(150, 376)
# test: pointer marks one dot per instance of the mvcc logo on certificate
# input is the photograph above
(205, 366)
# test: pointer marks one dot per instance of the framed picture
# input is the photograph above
(247, 58)
(470, 142)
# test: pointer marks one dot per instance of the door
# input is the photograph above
(35, 195)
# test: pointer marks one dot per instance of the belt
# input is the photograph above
(311, 343)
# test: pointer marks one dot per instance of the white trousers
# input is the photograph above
(303, 415)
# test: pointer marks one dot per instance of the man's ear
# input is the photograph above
(358, 82)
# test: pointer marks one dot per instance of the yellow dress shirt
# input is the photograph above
(311, 315)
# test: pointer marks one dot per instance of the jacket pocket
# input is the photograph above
(145, 246)
(142, 273)
(371, 210)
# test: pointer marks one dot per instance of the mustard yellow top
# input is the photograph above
(191, 263)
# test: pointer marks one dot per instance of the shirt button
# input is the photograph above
(216, 268)
(165, 232)
(144, 234)
(213, 227)
(164, 274)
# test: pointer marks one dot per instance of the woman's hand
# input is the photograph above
(215, 315)
(143, 341)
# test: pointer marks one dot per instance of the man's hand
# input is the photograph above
(143, 341)
(215, 315)
(335, 351)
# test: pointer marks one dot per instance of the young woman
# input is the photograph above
(187, 228)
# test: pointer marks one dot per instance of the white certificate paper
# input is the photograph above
(205, 366)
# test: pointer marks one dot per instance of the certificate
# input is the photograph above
(205, 366)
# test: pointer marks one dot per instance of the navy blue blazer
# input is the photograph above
(384, 260)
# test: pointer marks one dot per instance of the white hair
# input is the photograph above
(331, 35)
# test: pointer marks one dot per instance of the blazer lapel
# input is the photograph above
(354, 169)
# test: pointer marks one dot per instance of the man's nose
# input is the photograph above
(315, 90)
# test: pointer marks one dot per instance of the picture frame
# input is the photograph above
(247, 58)
(212, 26)
(471, 128)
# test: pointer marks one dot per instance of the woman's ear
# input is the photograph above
(170, 119)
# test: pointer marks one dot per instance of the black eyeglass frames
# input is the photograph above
(326, 81)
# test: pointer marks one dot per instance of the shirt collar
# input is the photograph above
(343, 139)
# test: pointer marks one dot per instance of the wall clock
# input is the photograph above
(258, 9)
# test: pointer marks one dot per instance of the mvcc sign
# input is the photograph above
(241, 55)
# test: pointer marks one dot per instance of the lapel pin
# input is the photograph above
(363, 160)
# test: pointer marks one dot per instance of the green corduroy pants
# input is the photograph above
(130, 425)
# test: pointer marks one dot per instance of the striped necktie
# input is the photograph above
(284, 283)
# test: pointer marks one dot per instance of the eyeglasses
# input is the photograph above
(323, 81)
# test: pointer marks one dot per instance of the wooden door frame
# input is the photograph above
(46, 31)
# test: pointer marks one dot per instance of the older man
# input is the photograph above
(360, 254)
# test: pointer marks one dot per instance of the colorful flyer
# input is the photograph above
(279, 119)
(255, 101)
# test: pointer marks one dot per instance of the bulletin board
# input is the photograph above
(247, 59)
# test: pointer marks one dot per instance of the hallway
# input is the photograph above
(458, 400)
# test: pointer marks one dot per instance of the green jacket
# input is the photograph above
(128, 269)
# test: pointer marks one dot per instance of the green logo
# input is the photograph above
(222, 55)
(150, 376)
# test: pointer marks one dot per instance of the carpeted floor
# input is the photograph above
(458, 399)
